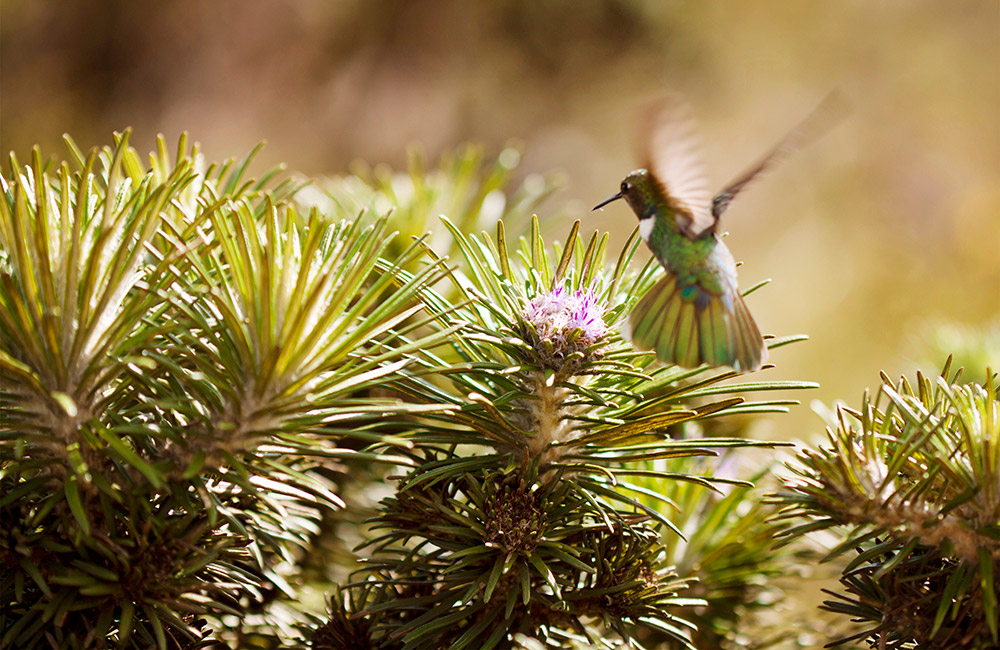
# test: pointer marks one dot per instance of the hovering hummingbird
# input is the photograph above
(695, 314)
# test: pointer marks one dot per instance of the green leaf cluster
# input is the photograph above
(727, 553)
(181, 346)
(523, 518)
(911, 483)
(471, 189)
(194, 362)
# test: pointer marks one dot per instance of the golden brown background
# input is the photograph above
(882, 238)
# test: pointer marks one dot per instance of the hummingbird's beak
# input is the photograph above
(607, 201)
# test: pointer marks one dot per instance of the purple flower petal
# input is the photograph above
(570, 320)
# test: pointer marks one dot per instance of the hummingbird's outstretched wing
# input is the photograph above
(830, 111)
(672, 154)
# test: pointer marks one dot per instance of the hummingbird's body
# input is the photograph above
(704, 262)
(695, 314)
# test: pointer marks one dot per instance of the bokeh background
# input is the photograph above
(882, 238)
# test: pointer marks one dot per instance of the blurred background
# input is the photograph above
(882, 238)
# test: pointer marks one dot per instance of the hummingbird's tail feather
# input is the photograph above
(689, 326)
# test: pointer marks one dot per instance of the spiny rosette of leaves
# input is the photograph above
(472, 189)
(518, 521)
(729, 550)
(536, 366)
(180, 347)
(505, 555)
(911, 482)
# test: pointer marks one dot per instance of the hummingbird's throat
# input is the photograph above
(646, 228)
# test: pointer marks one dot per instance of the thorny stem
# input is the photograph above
(546, 418)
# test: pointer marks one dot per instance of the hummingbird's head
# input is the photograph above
(641, 191)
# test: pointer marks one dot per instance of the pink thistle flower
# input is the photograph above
(564, 323)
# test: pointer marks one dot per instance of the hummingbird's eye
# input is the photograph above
(626, 186)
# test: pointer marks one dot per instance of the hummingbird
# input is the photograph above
(695, 314)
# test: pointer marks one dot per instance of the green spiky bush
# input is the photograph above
(209, 381)
(521, 518)
(181, 349)
(728, 552)
(910, 482)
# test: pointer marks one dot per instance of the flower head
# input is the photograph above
(563, 324)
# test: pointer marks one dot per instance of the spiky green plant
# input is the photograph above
(521, 520)
(472, 190)
(185, 350)
(911, 482)
(180, 350)
(728, 549)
